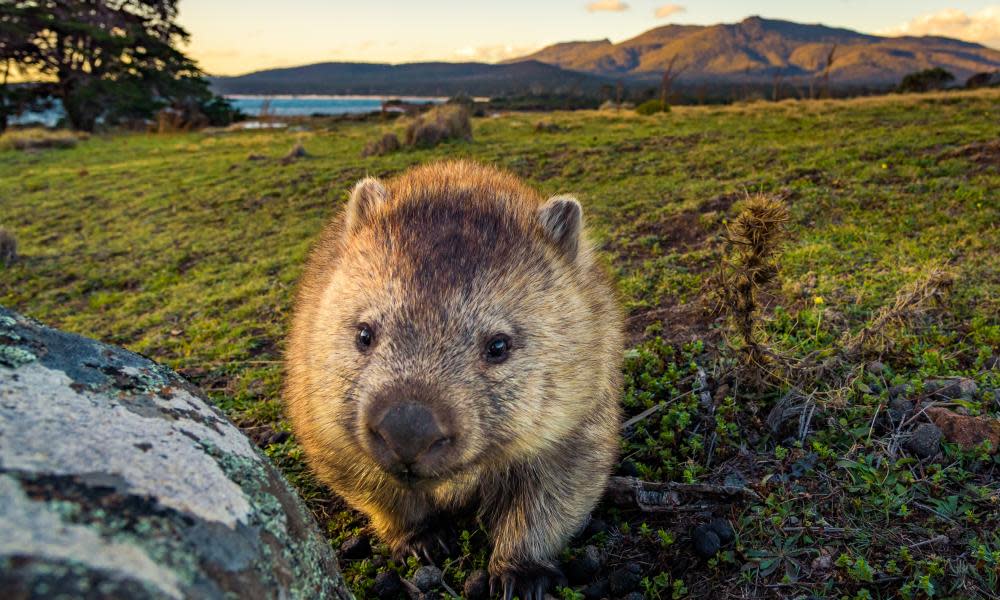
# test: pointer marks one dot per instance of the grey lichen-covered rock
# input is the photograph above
(118, 480)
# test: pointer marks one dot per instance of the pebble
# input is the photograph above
(596, 590)
(355, 547)
(595, 527)
(901, 408)
(427, 578)
(628, 468)
(875, 367)
(723, 530)
(952, 388)
(633, 596)
(706, 542)
(477, 586)
(581, 568)
(625, 579)
(388, 585)
(924, 441)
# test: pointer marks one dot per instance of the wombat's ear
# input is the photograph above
(561, 218)
(366, 197)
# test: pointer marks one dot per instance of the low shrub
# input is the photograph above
(651, 107)
(386, 144)
(440, 124)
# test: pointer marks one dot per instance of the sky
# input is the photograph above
(238, 36)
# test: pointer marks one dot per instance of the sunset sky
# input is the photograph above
(238, 36)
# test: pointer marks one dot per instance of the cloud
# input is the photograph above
(493, 54)
(982, 27)
(607, 6)
(669, 9)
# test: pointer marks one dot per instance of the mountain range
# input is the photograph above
(757, 48)
(753, 50)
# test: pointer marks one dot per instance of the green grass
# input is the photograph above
(179, 247)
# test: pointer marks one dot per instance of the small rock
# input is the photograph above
(706, 542)
(297, 151)
(427, 578)
(354, 548)
(582, 568)
(477, 586)
(823, 562)
(278, 437)
(628, 468)
(924, 441)
(967, 432)
(952, 388)
(735, 479)
(723, 530)
(625, 579)
(633, 596)
(876, 367)
(595, 527)
(596, 590)
(388, 585)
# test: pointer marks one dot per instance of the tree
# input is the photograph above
(106, 59)
(826, 70)
(926, 80)
(670, 76)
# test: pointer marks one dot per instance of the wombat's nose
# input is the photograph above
(409, 431)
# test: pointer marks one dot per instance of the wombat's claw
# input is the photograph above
(527, 584)
(423, 546)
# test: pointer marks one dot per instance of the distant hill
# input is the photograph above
(423, 79)
(760, 49)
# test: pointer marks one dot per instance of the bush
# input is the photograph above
(926, 80)
(38, 138)
(651, 107)
(440, 124)
(8, 248)
(388, 143)
(980, 80)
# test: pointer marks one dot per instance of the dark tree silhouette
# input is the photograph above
(110, 59)
(926, 80)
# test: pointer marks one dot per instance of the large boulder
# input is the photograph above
(118, 480)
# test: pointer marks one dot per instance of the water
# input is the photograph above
(282, 106)
(297, 106)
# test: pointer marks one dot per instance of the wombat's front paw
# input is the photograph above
(426, 541)
(527, 582)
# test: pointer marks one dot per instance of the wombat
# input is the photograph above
(457, 345)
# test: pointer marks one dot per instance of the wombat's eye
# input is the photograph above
(365, 337)
(497, 349)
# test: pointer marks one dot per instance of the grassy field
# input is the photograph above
(187, 248)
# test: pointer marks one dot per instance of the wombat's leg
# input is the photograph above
(531, 516)
(407, 524)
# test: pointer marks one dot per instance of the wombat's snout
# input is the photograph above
(408, 438)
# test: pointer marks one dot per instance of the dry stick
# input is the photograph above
(938, 539)
(651, 496)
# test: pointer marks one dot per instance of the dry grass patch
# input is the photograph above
(39, 139)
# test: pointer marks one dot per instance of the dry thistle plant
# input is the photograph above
(8, 248)
(749, 265)
(911, 300)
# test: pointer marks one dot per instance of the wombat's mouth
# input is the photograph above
(414, 480)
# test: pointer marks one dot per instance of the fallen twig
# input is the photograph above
(652, 496)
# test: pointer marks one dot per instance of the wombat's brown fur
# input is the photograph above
(456, 344)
